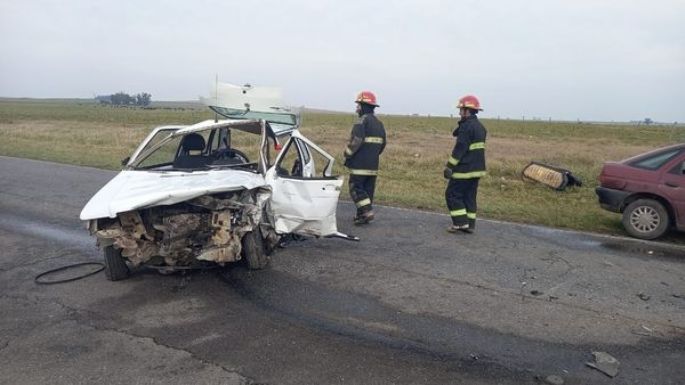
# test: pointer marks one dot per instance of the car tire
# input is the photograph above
(254, 251)
(115, 265)
(646, 219)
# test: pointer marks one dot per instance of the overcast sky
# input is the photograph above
(582, 59)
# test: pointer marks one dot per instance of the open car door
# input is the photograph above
(304, 192)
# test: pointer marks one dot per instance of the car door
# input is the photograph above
(304, 198)
(673, 187)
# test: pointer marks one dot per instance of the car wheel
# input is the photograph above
(254, 252)
(115, 265)
(645, 219)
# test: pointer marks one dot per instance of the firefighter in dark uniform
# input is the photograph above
(366, 144)
(465, 166)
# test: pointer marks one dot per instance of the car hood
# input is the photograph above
(134, 190)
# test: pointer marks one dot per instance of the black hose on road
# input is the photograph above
(38, 280)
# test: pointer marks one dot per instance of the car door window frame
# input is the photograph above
(291, 145)
(302, 144)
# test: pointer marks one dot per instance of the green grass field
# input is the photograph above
(84, 133)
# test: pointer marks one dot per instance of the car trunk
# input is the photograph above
(620, 176)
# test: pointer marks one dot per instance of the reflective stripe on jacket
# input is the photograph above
(467, 160)
(367, 142)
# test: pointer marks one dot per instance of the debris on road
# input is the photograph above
(605, 363)
(40, 278)
(643, 296)
(554, 380)
(645, 331)
(555, 177)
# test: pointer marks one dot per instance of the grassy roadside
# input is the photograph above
(83, 133)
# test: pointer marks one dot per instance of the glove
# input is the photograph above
(447, 173)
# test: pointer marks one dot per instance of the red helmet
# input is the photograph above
(367, 97)
(469, 101)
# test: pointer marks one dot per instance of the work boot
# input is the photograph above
(364, 218)
(359, 220)
(468, 230)
(457, 228)
(472, 226)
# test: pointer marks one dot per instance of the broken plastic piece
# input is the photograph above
(343, 236)
(555, 177)
(605, 363)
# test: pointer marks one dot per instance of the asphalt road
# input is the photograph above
(409, 304)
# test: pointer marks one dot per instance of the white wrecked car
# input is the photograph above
(189, 196)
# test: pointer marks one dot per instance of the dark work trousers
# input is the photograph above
(362, 188)
(461, 201)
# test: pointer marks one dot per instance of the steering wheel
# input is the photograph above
(232, 154)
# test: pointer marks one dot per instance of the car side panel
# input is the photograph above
(624, 177)
(305, 206)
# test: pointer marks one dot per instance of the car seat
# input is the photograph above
(191, 142)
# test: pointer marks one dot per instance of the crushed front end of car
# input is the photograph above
(206, 228)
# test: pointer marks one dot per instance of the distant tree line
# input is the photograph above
(123, 99)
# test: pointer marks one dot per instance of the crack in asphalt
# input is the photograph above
(77, 315)
(155, 341)
(554, 257)
(513, 294)
(356, 328)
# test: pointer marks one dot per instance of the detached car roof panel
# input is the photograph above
(253, 103)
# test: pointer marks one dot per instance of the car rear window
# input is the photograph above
(653, 162)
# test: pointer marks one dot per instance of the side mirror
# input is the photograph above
(124, 161)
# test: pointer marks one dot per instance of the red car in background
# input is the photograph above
(648, 189)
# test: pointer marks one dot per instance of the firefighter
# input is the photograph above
(367, 142)
(465, 166)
